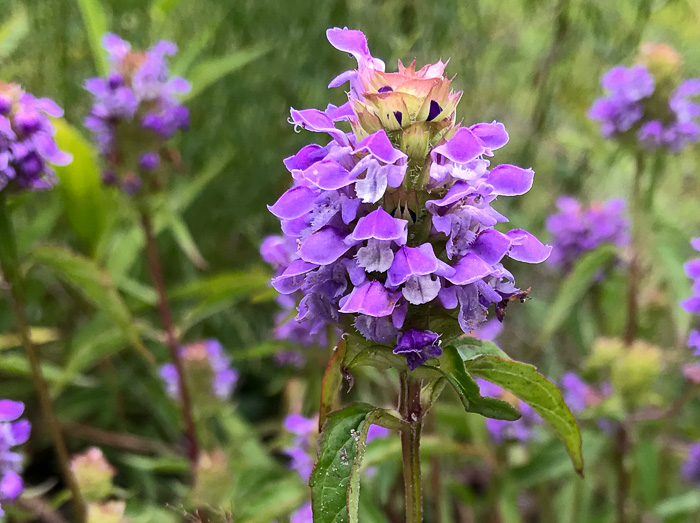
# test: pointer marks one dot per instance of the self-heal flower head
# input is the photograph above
(136, 110)
(648, 104)
(577, 229)
(391, 220)
(522, 429)
(207, 366)
(692, 304)
(27, 143)
(13, 432)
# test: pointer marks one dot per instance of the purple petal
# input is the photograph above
(691, 305)
(10, 410)
(412, 261)
(294, 203)
(20, 431)
(11, 485)
(305, 158)
(350, 41)
(463, 147)
(510, 180)
(48, 106)
(329, 175)
(491, 245)
(526, 248)
(692, 268)
(372, 299)
(380, 225)
(292, 278)
(324, 247)
(379, 146)
(470, 269)
(493, 135)
(318, 122)
(695, 243)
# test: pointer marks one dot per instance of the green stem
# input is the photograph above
(10, 268)
(171, 340)
(412, 413)
(633, 273)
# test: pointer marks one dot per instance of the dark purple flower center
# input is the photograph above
(435, 110)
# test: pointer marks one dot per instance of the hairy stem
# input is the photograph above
(412, 413)
(171, 339)
(633, 273)
(13, 277)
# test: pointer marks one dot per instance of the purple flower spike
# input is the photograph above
(390, 222)
(138, 96)
(418, 347)
(691, 467)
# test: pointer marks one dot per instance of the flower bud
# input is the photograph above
(108, 512)
(662, 60)
(214, 479)
(93, 473)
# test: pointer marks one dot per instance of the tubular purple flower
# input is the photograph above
(393, 222)
(138, 98)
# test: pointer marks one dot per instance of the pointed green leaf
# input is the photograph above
(96, 284)
(574, 288)
(542, 395)
(95, 21)
(13, 30)
(452, 367)
(211, 71)
(335, 479)
(80, 187)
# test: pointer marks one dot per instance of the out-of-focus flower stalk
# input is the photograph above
(13, 278)
(171, 339)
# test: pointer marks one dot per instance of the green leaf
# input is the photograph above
(160, 9)
(274, 501)
(184, 240)
(453, 368)
(542, 395)
(332, 379)
(95, 21)
(469, 348)
(335, 478)
(211, 71)
(14, 29)
(96, 284)
(18, 365)
(574, 288)
(38, 335)
(80, 187)
(688, 503)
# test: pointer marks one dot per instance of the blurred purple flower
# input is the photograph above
(138, 98)
(521, 430)
(212, 354)
(580, 395)
(27, 143)
(304, 514)
(576, 229)
(691, 466)
(629, 105)
(13, 432)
